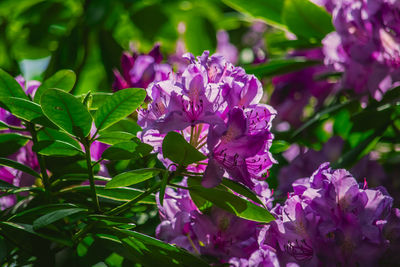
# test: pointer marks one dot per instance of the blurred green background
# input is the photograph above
(38, 37)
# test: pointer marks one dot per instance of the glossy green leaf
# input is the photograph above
(163, 186)
(142, 247)
(279, 146)
(29, 214)
(121, 151)
(125, 125)
(98, 99)
(4, 125)
(320, 115)
(18, 166)
(15, 231)
(112, 220)
(233, 204)
(55, 148)
(362, 148)
(267, 10)
(306, 19)
(280, 66)
(127, 150)
(114, 137)
(11, 143)
(9, 87)
(26, 110)
(46, 134)
(67, 112)
(132, 177)
(63, 79)
(175, 148)
(54, 216)
(118, 106)
(4, 186)
(117, 194)
(241, 189)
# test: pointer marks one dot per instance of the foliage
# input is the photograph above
(96, 184)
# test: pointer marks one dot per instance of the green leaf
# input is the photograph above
(125, 125)
(279, 146)
(15, 231)
(54, 216)
(26, 110)
(4, 186)
(142, 247)
(163, 186)
(9, 87)
(67, 112)
(267, 10)
(132, 177)
(112, 220)
(233, 204)
(63, 79)
(11, 143)
(114, 137)
(4, 125)
(98, 99)
(18, 166)
(363, 148)
(118, 106)
(55, 148)
(117, 194)
(46, 134)
(321, 115)
(306, 19)
(280, 66)
(121, 151)
(175, 148)
(241, 189)
(29, 214)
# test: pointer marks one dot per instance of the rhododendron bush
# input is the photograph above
(200, 133)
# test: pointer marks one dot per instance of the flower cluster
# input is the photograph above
(366, 45)
(330, 220)
(214, 233)
(216, 106)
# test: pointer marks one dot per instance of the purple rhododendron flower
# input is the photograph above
(139, 70)
(215, 106)
(241, 147)
(215, 232)
(330, 220)
(293, 91)
(366, 45)
(262, 257)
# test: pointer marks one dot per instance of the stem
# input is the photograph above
(191, 135)
(97, 162)
(90, 173)
(14, 128)
(42, 165)
(133, 201)
(201, 145)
